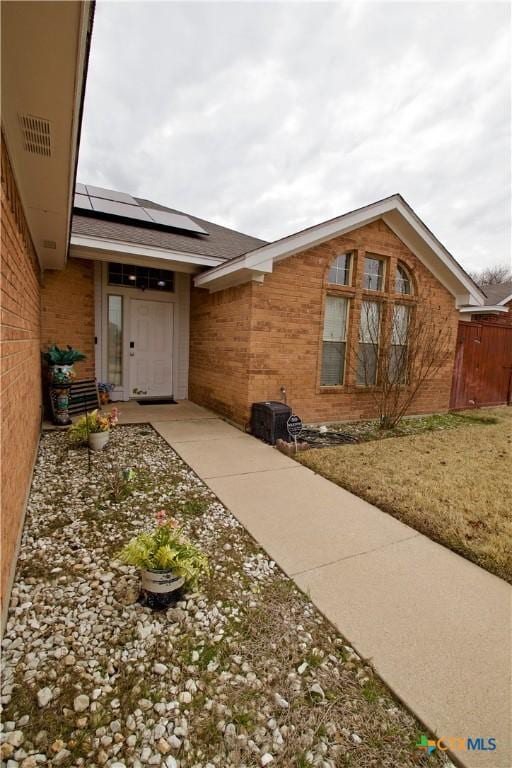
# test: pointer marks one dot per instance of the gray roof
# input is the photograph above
(496, 293)
(221, 242)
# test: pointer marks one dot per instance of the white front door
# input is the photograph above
(150, 348)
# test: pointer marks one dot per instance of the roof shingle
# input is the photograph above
(496, 293)
(221, 242)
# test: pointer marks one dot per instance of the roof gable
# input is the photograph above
(397, 215)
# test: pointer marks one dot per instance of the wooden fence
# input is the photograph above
(482, 373)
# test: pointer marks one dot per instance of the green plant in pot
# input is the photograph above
(60, 363)
(93, 428)
(167, 560)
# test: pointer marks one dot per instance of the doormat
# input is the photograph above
(157, 401)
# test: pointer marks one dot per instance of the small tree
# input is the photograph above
(401, 346)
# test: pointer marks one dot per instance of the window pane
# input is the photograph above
(132, 276)
(373, 274)
(400, 324)
(397, 364)
(367, 364)
(334, 336)
(333, 363)
(339, 273)
(335, 319)
(402, 282)
(369, 328)
(398, 349)
(368, 351)
(115, 341)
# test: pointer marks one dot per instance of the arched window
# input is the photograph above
(403, 282)
(339, 272)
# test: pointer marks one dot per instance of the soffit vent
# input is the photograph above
(36, 135)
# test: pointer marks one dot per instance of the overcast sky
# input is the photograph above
(270, 117)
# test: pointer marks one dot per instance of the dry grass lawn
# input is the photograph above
(453, 486)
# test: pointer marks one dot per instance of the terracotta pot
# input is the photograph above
(98, 440)
(161, 588)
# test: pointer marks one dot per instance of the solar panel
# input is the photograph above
(175, 220)
(119, 209)
(109, 194)
(82, 201)
(98, 200)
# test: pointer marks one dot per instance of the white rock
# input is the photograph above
(280, 701)
(356, 739)
(159, 669)
(61, 757)
(302, 668)
(266, 759)
(185, 697)
(81, 703)
(16, 738)
(170, 762)
(316, 688)
(44, 696)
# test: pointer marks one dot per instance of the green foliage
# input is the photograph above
(82, 428)
(58, 356)
(163, 549)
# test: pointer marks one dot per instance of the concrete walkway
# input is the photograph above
(436, 627)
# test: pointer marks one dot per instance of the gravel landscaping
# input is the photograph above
(244, 672)
(327, 436)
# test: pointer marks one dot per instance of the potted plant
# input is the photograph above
(60, 364)
(93, 428)
(104, 391)
(167, 560)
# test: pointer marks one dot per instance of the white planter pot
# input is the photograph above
(161, 588)
(98, 440)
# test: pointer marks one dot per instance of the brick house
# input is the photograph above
(185, 308)
(165, 304)
(42, 97)
(497, 306)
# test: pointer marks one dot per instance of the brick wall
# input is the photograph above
(20, 369)
(67, 311)
(219, 350)
(283, 327)
(501, 319)
(287, 325)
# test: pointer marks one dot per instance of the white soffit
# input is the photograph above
(102, 249)
(487, 310)
(44, 60)
(397, 214)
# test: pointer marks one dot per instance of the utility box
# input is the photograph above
(268, 421)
